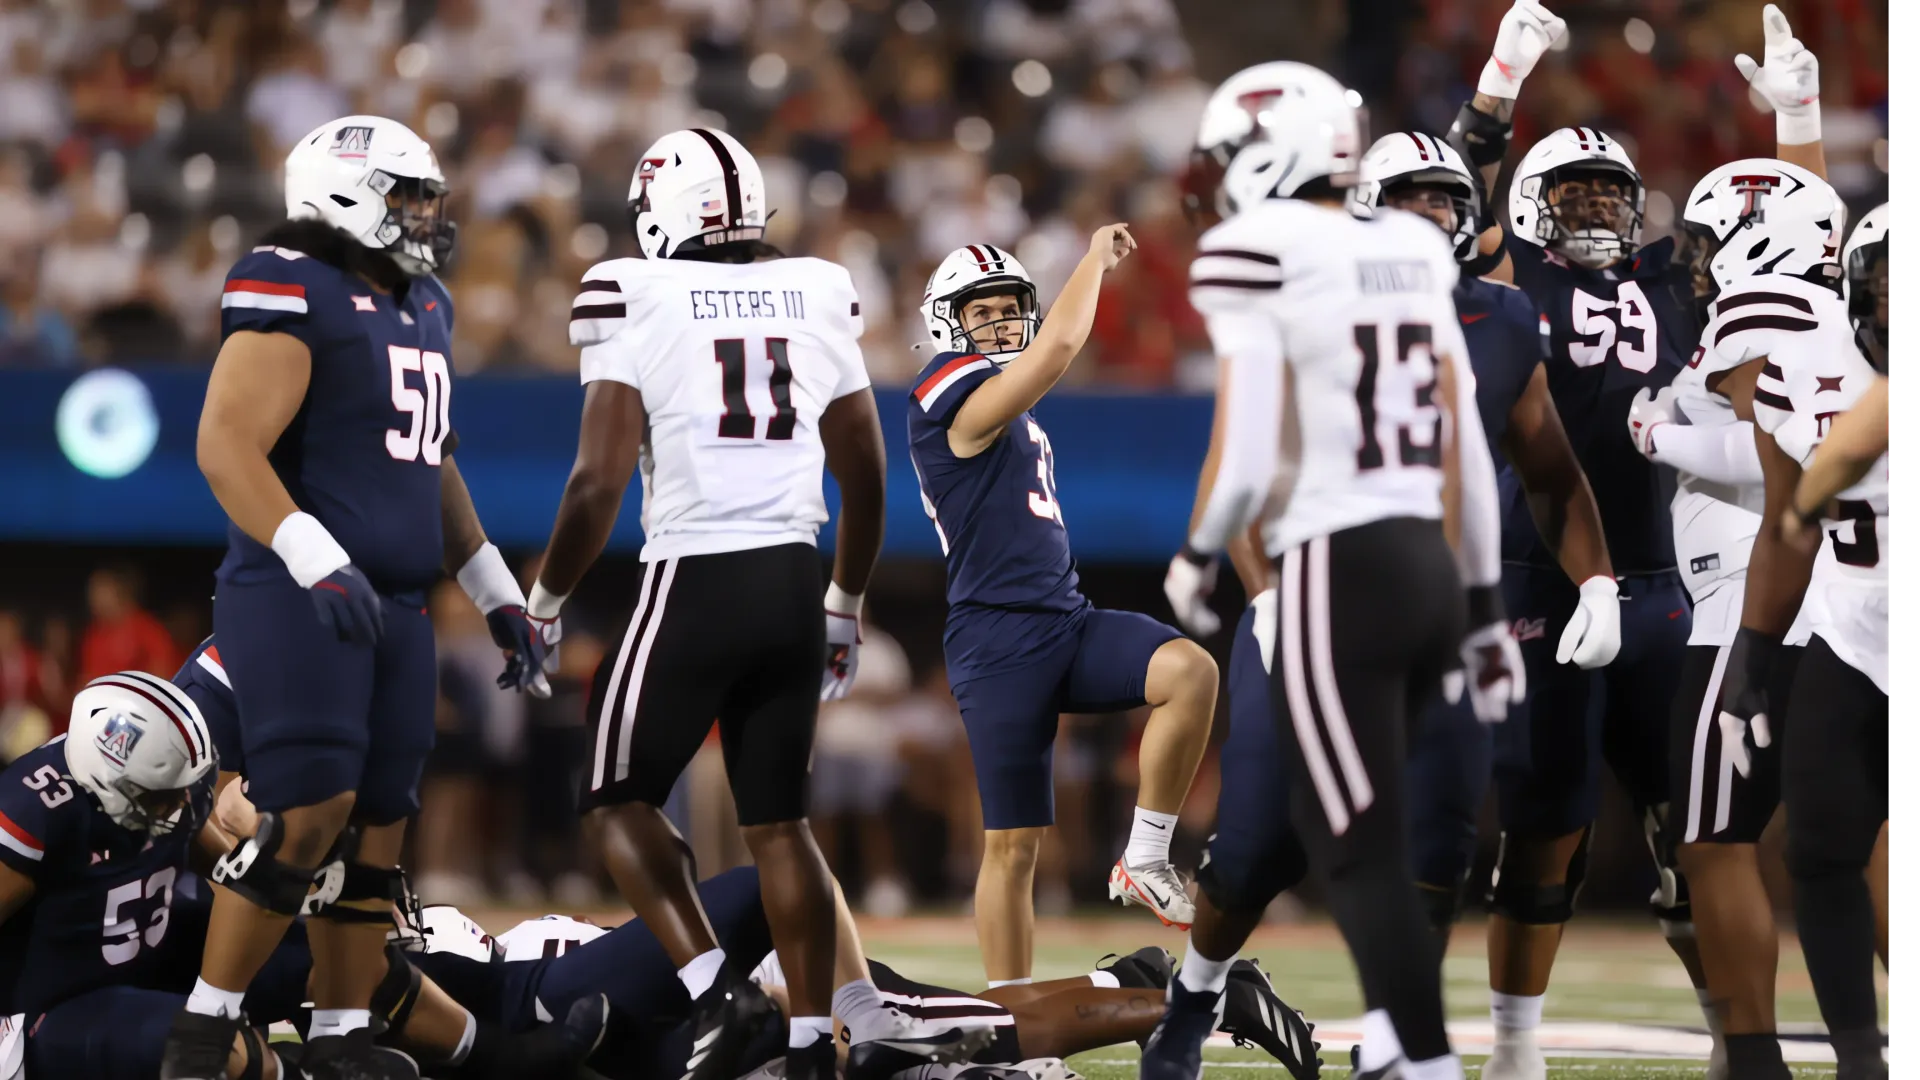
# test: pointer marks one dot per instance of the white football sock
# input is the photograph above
(700, 972)
(210, 1000)
(1379, 1042)
(1714, 1025)
(858, 1005)
(995, 984)
(337, 1022)
(1515, 1013)
(804, 1031)
(1201, 975)
(1440, 1068)
(1152, 833)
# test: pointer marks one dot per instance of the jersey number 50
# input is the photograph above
(1414, 341)
(427, 420)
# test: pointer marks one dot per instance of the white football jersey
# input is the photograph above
(734, 362)
(1813, 373)
(547, 937)
(1361, 308)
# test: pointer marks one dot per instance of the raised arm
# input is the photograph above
(1484, 125)
(1028, 377)
(1789, 81)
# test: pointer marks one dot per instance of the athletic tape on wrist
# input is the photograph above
(308, 549)
(489, 582)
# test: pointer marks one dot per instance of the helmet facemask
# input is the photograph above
(416, 232)
(1595, 211)
(997, 320)
(1868, 300)
(1444, 199)
(155, 813)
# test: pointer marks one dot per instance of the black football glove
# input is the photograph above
(529, 644)
(1744, 727)
(347, 605)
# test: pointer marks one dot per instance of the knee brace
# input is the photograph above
(1670, 902)
(253, 871)
(1252, 882)
(1442, 904)
(398, 992)
(343, 880)
(1538, 905)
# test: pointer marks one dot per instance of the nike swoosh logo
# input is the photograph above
(1474, 318)
(1157, 825)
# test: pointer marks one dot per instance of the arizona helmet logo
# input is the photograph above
(352, 141)
(117, 739)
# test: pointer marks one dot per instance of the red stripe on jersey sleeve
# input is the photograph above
(927, 384)
(272, 287)
(19, 833)
(213, 653)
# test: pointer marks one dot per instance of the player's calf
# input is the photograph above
(1182, 685)
(1003, 903)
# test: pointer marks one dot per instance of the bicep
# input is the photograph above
(1736, 385)
(613, 425)
(850, 433)
(1534, 437)
(1781, 471)
(257, 385)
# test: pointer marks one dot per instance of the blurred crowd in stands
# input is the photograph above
(140, 140)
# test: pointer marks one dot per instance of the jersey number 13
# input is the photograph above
(1398, 394)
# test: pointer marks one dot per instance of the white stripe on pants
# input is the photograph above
(1305, 622)
(634, 650)
(1709, 720)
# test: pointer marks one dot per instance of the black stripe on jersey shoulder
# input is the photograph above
(1771, 370)
(1237, 283)
(1260, 257)
(1744, 299)
(1768, 397)
(1764, 322)
(597, 285)
(600, 311)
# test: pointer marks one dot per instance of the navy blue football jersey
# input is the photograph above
(1504, 344)
(1612, 332)
(363, 453)
(103, 895)
(997, 513)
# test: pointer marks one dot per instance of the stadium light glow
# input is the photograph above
(106, 423)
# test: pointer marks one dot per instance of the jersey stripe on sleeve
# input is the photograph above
(597, 312)
(1770, 388)
(1763, 322)
(1231, 268)
(20, 841)
(270, 295)
(210, 660)
(946, 377)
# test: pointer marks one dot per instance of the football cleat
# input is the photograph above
(1156, 887)
(1389, 1071)
(1173, 1050)
(1143, 969)
(197, 1046)
(727, 1019)
(1256, 1017)
(353, 1056)
(906, 1041)
(1515, 1057)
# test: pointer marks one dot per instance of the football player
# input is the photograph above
(1786, 338)
(731, 376)
(1749, 225)
(324, 437)
(1340, 361)
(1022, 644)
(1618, 318)
(1452, 751)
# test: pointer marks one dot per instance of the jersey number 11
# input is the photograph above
(738, 421)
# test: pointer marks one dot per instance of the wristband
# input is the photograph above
(542, 604)
(487, 580)
(1798, 126)
(1495, 82)
(1484, 606)
(1480, 138)
(841, 602)
(308, 549)
(1600, 584)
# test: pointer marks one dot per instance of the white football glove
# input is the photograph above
(1188, 585)
(1789, 82)
(1527, 31)
(1592, 636)
(1648, 411)
(843, 644)
(1496, 676)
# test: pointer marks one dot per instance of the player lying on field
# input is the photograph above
(103, 920)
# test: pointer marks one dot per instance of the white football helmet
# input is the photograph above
(1762, 216)
(137, 744)
(1267, 132)
(969, 272)
(1408, 158)
(694, 189)
(345, 172)
(1538, 216)
(443, 928)
(1865, 260)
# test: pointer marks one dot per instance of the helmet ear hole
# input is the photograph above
(343, 200)
(1759, 249)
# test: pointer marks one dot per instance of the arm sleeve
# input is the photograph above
(946, 384)
(266, 292)
(1723, 453)
(1249, 343)
(1479, 554)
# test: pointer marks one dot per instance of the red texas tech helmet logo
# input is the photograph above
(643, 175)
(1755, 188)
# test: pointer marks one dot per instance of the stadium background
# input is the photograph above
(139, 153)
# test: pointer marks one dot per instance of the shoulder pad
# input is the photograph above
(275, 278)
(600, 308)
(1750, 318)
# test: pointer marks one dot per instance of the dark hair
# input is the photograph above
(733, 251)
(337, 248)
